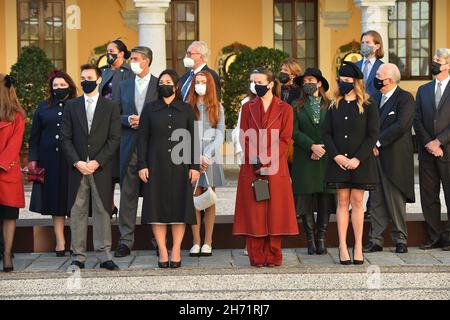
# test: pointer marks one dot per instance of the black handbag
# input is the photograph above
(261, 190)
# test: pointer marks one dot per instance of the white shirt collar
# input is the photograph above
(145, 79)
(95, 98)
(199, 68)
(390, 93)
(444, 83)
(372, 61)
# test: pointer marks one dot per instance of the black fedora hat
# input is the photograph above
(316, 73)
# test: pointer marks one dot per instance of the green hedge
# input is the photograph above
(236, 81)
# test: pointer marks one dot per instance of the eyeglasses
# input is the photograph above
(190, 54)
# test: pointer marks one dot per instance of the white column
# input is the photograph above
(375, 16)
(152, 30)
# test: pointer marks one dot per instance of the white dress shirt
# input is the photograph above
(142, 83)
(386, 96)
(444, 84)
(94, 104)
(199, 68)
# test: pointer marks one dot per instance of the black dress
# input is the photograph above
(49, 198)
(168, 196)
(354, 135)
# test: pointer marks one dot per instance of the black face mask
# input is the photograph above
(436, 68)
(166, 91)
(378, 84)
(261, 91)
(89, 86)
(111, 57)
(61, 93)
(310, 88)
(284, 78)
(345, 87)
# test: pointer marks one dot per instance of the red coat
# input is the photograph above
(11, 185)
(277, 216)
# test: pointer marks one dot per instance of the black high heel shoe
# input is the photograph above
(60, 254)
(345, 262)
(6, 268)
(175, 265)
(357, 262)
(164, 265)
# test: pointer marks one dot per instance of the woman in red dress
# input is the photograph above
(12, 124)
(266, 130)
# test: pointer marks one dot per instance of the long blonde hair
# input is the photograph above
(362, 97)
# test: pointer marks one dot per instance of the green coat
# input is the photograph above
(308, 176)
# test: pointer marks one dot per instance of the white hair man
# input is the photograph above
(196, 59)
(432, 126)
(395, 162)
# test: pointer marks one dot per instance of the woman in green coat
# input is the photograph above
(310, 159)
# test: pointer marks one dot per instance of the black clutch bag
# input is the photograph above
(261, 189)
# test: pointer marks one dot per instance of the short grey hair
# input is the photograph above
(202, 48)
(392, 71)
(443, 53)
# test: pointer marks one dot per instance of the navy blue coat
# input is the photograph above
(370, 88)
(126, 95)
(45, 147)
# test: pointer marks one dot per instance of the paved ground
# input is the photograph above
(227, 275)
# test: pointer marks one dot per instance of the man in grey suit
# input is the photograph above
(432, 126)
(133, 95)
(90, 137)
(395, 161)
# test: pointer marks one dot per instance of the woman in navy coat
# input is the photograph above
(50, 198)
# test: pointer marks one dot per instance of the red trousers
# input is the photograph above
(265, 251)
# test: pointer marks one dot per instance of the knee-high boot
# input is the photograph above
(322, 225)
(308, 226)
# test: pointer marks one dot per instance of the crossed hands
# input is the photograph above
(87, 168)
(134, 122)
(318, 151)
(346, 163)
(434, 148)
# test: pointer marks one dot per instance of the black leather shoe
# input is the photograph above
(344, 262)
(357, 262)
(122, 251)
(401, 248)
(430, 245)
(114, 212)
(78, 264)
(370, 248)
(60, 254)
(163, 265)
(175, 265)
(109, 265)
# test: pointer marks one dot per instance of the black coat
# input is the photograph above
(168, 196)
(126, 95)
(396, 151)
(354, 135)
(49, 198)
(290, 93)
(216, 77)
(115, 76)
(431, 122)
(100, 144)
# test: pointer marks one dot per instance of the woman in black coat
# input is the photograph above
(168, 166)
(45, 152)
(351, 131)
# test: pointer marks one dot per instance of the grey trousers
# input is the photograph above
(129, 198)
(79, 223)
(388, 205)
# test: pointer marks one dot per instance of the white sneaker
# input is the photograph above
(206, 251)
(195, 251)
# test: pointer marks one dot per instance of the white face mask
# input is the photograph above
(253, 88)
(200, 89)
(189, 63)
(136, 68)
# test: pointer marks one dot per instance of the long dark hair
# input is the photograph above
(300, 102)
(175, 79)
(60, 74)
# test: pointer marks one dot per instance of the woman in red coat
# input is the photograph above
(266, 130)
(12, 124)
